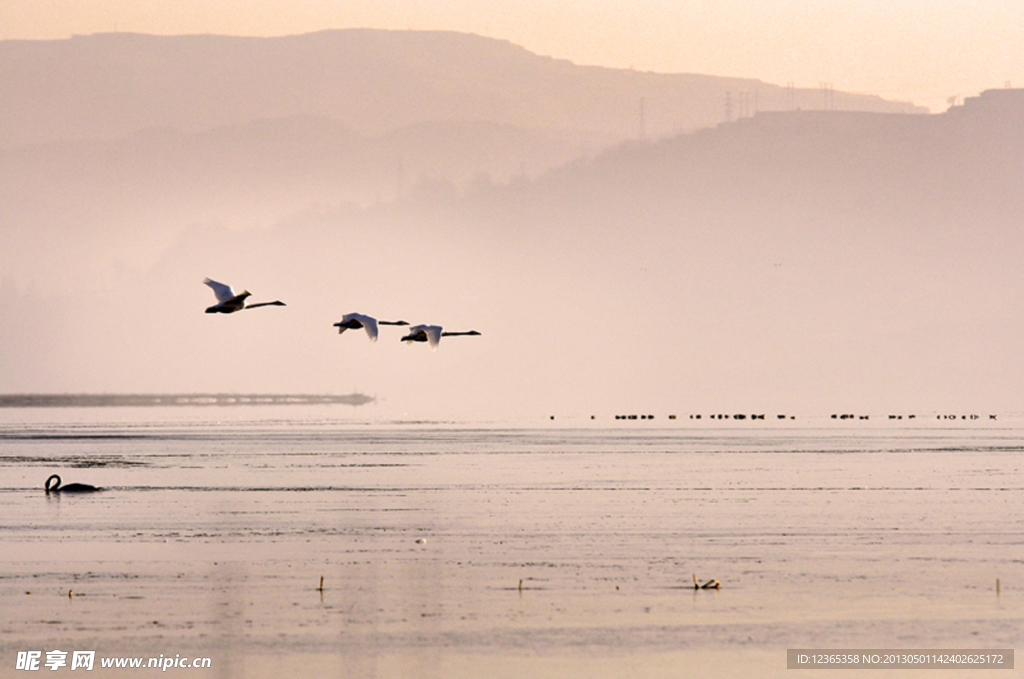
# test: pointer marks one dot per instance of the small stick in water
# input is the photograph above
(520, 586)
(321, 587)
(997, 586)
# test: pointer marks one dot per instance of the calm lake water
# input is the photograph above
(469, 550)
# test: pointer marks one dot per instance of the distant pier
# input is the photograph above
(164, 400)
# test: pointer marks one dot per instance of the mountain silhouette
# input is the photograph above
(373, 81)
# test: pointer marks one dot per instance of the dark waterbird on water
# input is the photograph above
(70, 488)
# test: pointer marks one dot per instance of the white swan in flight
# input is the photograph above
(228, 302)
(368, 323)
(431, 334)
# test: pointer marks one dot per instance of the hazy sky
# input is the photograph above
(919, 50)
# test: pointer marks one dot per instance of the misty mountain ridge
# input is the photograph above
(780, 261)
(137, 193)
(373, 81)
(969, 160)
(859, 257)
(131, 138)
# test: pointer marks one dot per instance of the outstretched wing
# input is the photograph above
(430, 334)
(355, 320)
(223, 292)
(370, 325)
(415, 334)
(433, 335)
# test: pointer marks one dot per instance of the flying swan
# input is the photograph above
(369, 323)
(431, 334)
(70, 488)
(228, 302)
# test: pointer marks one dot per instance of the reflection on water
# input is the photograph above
(213, 536)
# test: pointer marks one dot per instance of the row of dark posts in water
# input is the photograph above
(911, 417)
(761, 416)
(739, 416)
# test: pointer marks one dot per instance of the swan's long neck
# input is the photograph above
(55, 486)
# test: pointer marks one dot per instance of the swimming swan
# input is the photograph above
(228, 302)
(369, 323)
(70, 488)
(431, 334)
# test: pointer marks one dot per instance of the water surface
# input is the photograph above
(451, 550)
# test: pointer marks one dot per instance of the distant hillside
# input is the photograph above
(789, 260)
(915, 172)
(373, 81)
(135, 194)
